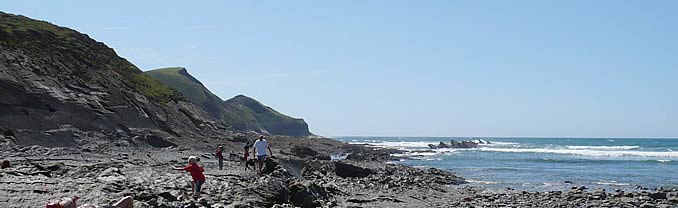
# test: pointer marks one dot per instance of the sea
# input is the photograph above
(544, 164)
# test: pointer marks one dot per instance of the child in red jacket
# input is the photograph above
(196, 173)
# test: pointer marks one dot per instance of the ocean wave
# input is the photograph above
(422, 144)
(503, 143)
(604, 147)
(396, 144)
(428, 154)
(447, 150)
(500, 144)
(584, 152)
(482, 182)
(611, 183)
(411, 154)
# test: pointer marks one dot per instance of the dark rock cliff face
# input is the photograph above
(55, 81)
(241, 112)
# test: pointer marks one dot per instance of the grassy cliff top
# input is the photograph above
(179, 79)
(240, 112)
(10, 23)
(42, 39)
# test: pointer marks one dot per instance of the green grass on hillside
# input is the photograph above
(173, 77)
(20, 24)
(42, 39)
(154, 90)
(240, 112)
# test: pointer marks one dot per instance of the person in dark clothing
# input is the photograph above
(247, 153)
(220, 156)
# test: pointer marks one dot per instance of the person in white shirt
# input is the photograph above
(259, 149)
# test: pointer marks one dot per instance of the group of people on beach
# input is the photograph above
(259, 150)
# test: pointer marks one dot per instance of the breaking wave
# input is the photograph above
(585, 152)
(604, 147)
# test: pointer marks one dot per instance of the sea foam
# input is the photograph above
(586, 152)
(604, 147)
(395, 144)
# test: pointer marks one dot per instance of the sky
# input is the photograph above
(575, 68)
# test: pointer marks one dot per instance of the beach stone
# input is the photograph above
(307, 194)
(323, 157)
(644, 198)
(657, 195)
(301, 151)
(218, 205)
(618, 193)
(347, 170)
(443, 145)
(576, 191)
(282, 206)
(167, 196)
(270, 165)
(158, 142)
(648, 205)
(630, 201)
(305, 152)
(599, 194)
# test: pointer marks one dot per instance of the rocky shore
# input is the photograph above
(300, 175)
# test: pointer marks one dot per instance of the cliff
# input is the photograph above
(56, 84)
(240, 113)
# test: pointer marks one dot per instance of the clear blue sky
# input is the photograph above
(412, 68)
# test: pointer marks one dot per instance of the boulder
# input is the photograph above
(305, 152)
(265, 192)
(360, 153)
(322, 157)
(468, 144)
(347, 170)
(167, 196)
(239, 138)
(455, 144)
(657, 195)
(5, 164)
(599, 194)
(158, 141)
(648, 205)
(270, 165)
(307, 194)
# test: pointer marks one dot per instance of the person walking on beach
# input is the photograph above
(260, 147)
(247, 153)
(196, 173)
(220, 156)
